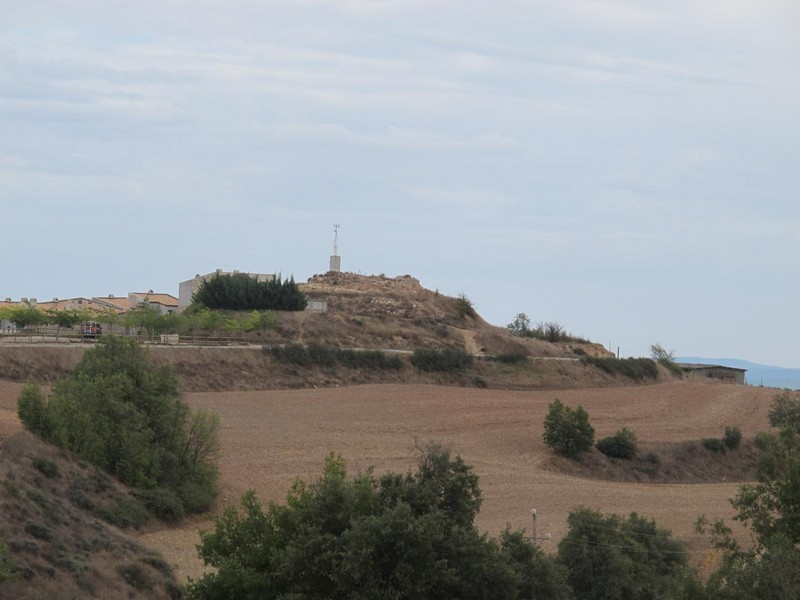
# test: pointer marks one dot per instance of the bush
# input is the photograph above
(714, 444)
(135, 576)
(295, 354)
(46, 467)
(449, 360)
(162, 502)
(317, 354)
(464, 307)
(128, 512)
(6, 570)
(620, 445)
(567, 430)
(633, 368)
(374, 360)
(511, 358)
(732, 437)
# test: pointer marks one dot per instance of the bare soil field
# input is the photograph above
(271, 437)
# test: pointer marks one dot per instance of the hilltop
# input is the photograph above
(393, 315)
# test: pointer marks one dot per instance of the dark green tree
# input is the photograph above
(616, 558)
(398, 536)
(770, 566)
(567, 430)
(121, 412)
(240, 291)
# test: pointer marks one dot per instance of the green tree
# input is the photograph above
(398, 536)
(27, 316)
(567, 430)
(64, 318)
(520, 326)
(616, 558)
(770, 566)
(126, 415)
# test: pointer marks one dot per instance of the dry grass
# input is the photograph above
(57, 542)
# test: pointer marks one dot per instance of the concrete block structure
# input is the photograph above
(729, 374)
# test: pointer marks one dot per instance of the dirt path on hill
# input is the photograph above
(269, 438)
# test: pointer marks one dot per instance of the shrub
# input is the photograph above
(295, 354)
(46, 467)
(620, 445)
(464, 306)
(567, 430)
(162, 502)
(633, 368)
(652, 458)
(714, 444)
(374, 360)
(732, 437)
(6, 570)
(511, 358)
(40, 532)
(128, 512)
(135, 576)
(449, 360)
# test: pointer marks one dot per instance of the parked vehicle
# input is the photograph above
(91, 329)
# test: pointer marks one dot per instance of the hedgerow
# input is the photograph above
(449, 360)
(633, 368)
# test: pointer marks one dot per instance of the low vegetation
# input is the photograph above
(620, 445)
(464, 307)
(665, 358)
(240, 291)
(6, 570)
(637, 369)
(567, 430)
(120, 412)
(328, 356)
(551, 331)
(448, 360)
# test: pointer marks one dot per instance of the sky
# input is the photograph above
(629, 170)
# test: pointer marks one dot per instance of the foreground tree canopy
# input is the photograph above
(770, 508)
(397, 536)
(122, 413)
(413, 536)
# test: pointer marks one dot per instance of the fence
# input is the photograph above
(21, 336)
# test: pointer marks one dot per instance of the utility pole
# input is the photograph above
(534, 538)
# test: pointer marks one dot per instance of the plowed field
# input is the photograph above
(271, 437)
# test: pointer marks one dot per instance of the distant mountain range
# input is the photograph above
(766, 375)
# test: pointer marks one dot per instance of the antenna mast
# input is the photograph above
(336, 260)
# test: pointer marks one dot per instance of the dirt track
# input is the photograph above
(271, 437)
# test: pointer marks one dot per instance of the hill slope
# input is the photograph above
(55, 521)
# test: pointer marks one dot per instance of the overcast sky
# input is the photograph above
(628, 169)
